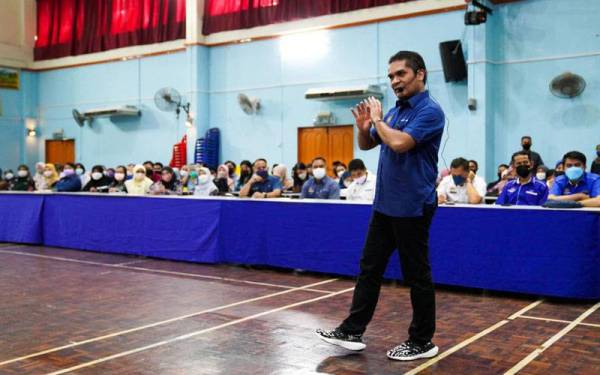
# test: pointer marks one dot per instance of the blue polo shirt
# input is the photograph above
(406, 181)
(267, 186)
(589, 184)
(532, 193)
(324, 189)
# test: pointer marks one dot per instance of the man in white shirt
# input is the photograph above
(362, 187)
(462, 185)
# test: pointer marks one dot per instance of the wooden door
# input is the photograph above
(60, 151)
(332, 143)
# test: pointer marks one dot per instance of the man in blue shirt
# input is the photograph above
(261, 184)
(405, 201)
(320, 186)
(575, 184)
(69, 180)
(525, 190)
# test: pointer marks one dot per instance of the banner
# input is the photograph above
(9, 79)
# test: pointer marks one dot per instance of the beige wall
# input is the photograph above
(17, 33)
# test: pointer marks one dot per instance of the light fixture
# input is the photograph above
(30, 126)
(189, 121)
(31, 132)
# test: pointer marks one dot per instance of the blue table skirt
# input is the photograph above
(527, 250)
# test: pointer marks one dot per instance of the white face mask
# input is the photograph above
(361, 179)
(119, 176)
(79, 171)
(22, 173)
(203, 179)
(340, 173)
(302, 176)
(48, 173)
(97, 175)
(9, 176)
(540, 176)
(139, 176)
(319, 173)
(183, 173)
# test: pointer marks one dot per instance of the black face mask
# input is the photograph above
(526, 146)
(523, 171)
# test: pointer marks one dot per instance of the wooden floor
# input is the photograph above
(66, 311)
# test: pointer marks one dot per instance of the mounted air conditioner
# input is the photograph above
(126, 110)
(344, 93)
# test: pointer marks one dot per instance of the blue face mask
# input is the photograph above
(264, 174)
(458, 180)
(574, 173)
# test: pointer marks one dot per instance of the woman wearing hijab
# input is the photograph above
(23, 181)
(139, 184)
(7, 180)
(280, 171)
(191, 181)
(39, 178)
(99, 182)
(118, 184)
(168, 184)
(50, 177)
(205, 187)
(223, 181)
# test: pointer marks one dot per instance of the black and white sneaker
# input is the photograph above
(339, 338)
(409, 351)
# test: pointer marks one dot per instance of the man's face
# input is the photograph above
(460, 171)
(260, 166)
(157, 168)
(404, 81)
(526, 143)
(573, 163)
(473, 167)
(318, 164)
(148, 166)
(521, 160)
(358, 173)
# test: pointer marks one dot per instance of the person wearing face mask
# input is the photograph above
(596, 163)
(8, 180)
(575, 184)
(140, 183)
(462, 185)
(110, 173)
(223, 181)
(339, 169)
(231, 167)
(525, 190)
(362, 187)
(184, 175)
(205, 186)
(541, 174)
(320, 186)
(50, 177)
(80, 171)
(261, 185)
(491, 187)
(526, 144)
(168, 184)
(99, 183)
(129, 171)
(192, 181)
(300, 176)
(281, 172)
(69, 180)
(39, 178)
(119, 178)
(157, 171)
(23, 180)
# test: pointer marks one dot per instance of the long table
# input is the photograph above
(516, 249)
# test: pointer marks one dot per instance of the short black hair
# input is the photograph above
(148, 162)
(159, 163)
(68, 164)
(121, 166)
(474, 162)
(230, 162)
(260, 159)
(460, 162)
(356, 164)
(318, 158)
(98, 168)
(512, 158)
(413, 60)
(575, 155)
(79, 165)
(525, 137)
(503, 165)
(23, 166)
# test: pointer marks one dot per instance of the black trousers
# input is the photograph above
(410, 235)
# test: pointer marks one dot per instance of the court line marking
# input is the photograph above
(163, 322)
(166, 272)
(196, 333)
(471, 339)
(548, 343)
(559, 321)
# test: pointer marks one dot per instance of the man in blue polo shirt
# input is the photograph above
(575, 184)
(525, 190)
(405, 201)
(261, 184)
(320, 186)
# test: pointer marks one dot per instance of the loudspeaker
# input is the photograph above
(453, 61)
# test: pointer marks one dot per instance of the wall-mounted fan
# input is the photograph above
(79, 118)
(169, 100)
(249, 105)
(567, 85)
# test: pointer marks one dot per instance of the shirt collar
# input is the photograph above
(581, 180)
(413, 100)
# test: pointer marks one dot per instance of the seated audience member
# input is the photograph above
(339, 169)
(223, 182)
(8, 180)
(309, 170)
(184, 175)
(362, 187)
(245, 174)
(168, 184)
(157, 171)
(443, 173)
(130, 167)
(99, 183)
(69, 180)
(596, 163)
(261, 185)
(300, 176)
(140, 183)
(149, 165)
(205, 186)
(576, 184)
(536, 159)
(462, 185)
(287, 184)
(525, 190)
(559, 169)
(320, 186)
(50, 177)
(491, 187)
(110, 173)
(191, 181)
(345, 180)
(541, 174)
(80, 171)
(23, 181)
(473, 166)
(118, 184)
(39, 178)
(550, 178)
(231, 167)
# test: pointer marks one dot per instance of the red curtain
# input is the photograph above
(222, 15)
(76, 27)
